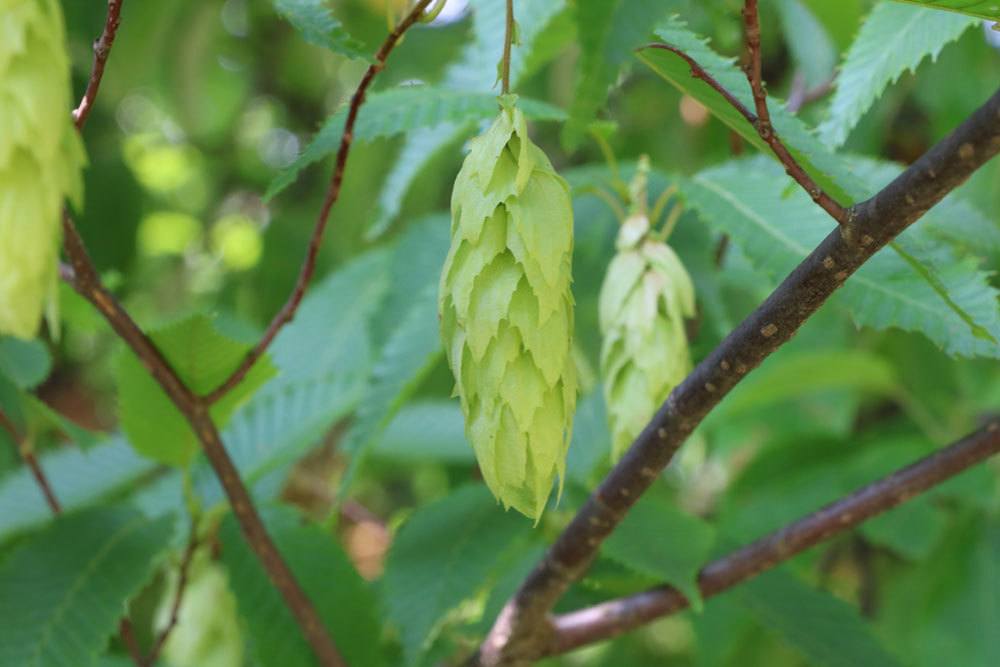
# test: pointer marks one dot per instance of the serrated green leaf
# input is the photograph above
(827, 631)
(202, 358)
(325, 358)
(63, 592)
(983, 9)
(828, 170)
(317, 25)
(464, 535)
(25, 363)
(342, 598)
(542, 32)
(777, 232)
(413, 346)
(402, 110)
(79, 478)
(658, 540)
(893, 40)
(425, 431)
(608, 31)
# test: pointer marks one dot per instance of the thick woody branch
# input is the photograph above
(102, 49)
(614, 617)
(288, 310)
(520, 631)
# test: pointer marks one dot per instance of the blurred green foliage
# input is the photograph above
(205, 103)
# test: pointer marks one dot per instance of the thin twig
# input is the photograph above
(87, 283)
(802, 94)
(767, 134)
(102, 49)
(287, 312)
(508, 40)
(31, 461)
(183, 571)
(522, 628)
(612, 618)
(127, 635)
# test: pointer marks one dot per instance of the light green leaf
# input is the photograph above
(79, 478)
(425, 431)
(342, 598)
(403, 110)
(203, 358)
(777, 232)
(812, 372)
(541, 32)
(983, 9)
(464, 535)
(609, 31)
(658, 540)
(893, 40)
(63, 592)
(827, 631)
(25, 363)
(317, 25)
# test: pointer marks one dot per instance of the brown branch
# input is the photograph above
(614, 617)
(196, 411)
(127, 635)
(31, 461)
(183, 571)
(102, 49)
(521, 629)
(761, 120)
(287, 312)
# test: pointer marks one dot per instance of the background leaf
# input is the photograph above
(202, 358)
(63, 592)
(464, 534)
(344, 600)
(25, 363)
(984, 9)
(893, 40)
(317, 25)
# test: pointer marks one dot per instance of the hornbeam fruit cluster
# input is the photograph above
(645, 297)
(41, 156)
(507, 311)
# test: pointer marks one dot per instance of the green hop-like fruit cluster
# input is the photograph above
(507, 311)
(645, 297)
(41, 156)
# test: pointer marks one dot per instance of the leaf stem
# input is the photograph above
(508, 40)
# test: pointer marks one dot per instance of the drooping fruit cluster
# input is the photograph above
(645, 297)
(507, 311)
(40, 158)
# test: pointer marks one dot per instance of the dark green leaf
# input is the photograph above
(317, 25)
(63, 592)
(828, 631)
(343, 599)
(658, 540)
(464, 535)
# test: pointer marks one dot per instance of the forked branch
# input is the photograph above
(612, 618)
(520, 632)
(287, 312)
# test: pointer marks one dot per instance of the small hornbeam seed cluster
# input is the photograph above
(41, 156)
(507, 311)
(645, 297)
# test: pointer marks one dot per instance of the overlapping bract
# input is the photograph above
(40, 158)
(507, 312)
(645, 297)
